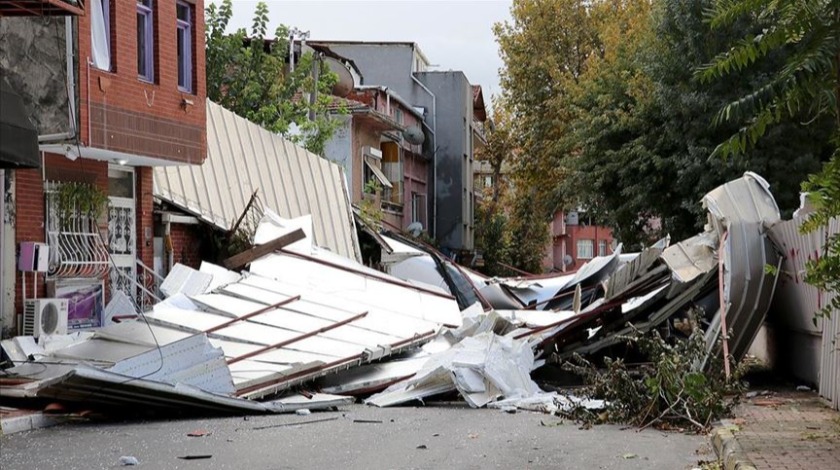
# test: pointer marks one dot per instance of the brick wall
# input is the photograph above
(186, 244)
(118, 111)
(145, 215)
(30, 205)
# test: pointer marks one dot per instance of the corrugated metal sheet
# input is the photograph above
(742, 209)
(797, 301)
(242, 157)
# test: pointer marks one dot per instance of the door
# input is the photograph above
(122, 243)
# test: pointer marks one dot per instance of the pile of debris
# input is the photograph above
(302, 318)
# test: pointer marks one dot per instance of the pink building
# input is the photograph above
(380, 142)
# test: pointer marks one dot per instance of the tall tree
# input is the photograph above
(799, 45)
(248, 74)
(544, 48)
(642, 122)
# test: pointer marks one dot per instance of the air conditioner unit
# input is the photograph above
(45, 317)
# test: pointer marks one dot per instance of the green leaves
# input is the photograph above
(805, 86)
(667, 390)
(248, 74)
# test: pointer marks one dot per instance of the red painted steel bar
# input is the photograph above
(253, 314)
(296, 339)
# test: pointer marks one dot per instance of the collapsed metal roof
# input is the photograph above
(242, 158)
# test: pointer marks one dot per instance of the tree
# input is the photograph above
(545, 49)
(803, 85)
(491, 214)
(642, 122)
(528, 233)
(248, 74)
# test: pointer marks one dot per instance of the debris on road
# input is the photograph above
(225, 342)
(128, 460)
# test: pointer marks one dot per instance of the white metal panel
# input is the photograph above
(380, 293)
(333, 308)
(797, 301)
(242, 158)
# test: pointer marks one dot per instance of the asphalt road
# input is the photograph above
(448, 436)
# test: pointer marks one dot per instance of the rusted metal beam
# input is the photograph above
(240, 260)
(296, 338)
(233, 230)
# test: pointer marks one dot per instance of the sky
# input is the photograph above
(454, 35)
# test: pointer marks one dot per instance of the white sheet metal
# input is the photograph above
(185, 280)
(242, 158)
(483, 368)
(813, 347)
(743, 209)
(381, 290)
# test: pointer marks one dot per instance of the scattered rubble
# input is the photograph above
(303, 318)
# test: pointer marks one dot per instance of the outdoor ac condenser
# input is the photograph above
(45, 317)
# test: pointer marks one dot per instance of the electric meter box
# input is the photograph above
(34, 257)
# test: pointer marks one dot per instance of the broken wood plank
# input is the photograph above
(239, 261)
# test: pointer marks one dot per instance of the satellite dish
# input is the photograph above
(414, 135)
(345, 83)
(567, 260)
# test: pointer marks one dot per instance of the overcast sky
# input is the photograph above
(454, 35)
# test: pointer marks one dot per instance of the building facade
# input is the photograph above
(575, 240)
(380, 145)
(447, 101)
(123, 91)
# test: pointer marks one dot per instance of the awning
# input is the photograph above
(378, 173)
(18, 137)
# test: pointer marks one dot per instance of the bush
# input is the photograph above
(670, 391)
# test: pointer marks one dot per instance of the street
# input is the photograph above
(357, 436)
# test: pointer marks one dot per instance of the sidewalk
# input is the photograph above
(783, 430)
(14, 420)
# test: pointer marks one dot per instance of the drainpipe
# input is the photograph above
(434, 151)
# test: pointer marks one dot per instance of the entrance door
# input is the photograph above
(122, 243)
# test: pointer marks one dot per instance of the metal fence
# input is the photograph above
(801, 301)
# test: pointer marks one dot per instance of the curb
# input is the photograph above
(28, 422)
(729, 451)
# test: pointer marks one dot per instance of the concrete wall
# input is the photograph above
(339, 149)
(454, 179)
(388, 65)
(33, 59)
(7, 254)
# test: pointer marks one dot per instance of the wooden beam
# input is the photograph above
(240, 260)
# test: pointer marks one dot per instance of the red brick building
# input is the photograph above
(575, 241)
(134, 84)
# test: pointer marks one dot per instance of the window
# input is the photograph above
(145, 54)
(184, 36)
(399, 116)
(585, 249)
(392, 168)
(100, 34)
(602, 248)
(418, 208)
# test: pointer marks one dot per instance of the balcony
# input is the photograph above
(42, 8)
